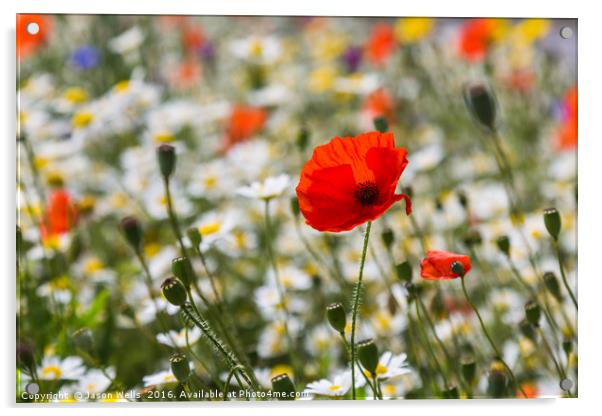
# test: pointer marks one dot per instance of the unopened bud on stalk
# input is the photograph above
(497, 380)
(409, 191)
(84, 341)
(194, 236)
(412, 291)
(166, 154)
(174, 291)
(457, 268)
(533, 312)
(283, 385)
(368, 355)
(25, 355)
(180, 367)
(503, 243)
(469, 369)
(451, 392)
(336, 316)
(295, 207)
(567, 346)
(473, 238)
(132, 230)
(404, 271)
(463, 199)
(527, 329)
(381, 124)
(303, 139)
(551, 282)
(480, 100)
(551, 219)
(182, 268)
(387, 236)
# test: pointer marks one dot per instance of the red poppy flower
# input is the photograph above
(243, 123)
(381, 44)
(61, 214)
(566, 138)
(350, 181)
(379, 104)
(475, 36)
(437, 265)
(193, 38)
(530, 390)
(27, 42)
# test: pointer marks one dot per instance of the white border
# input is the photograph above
(590, 207)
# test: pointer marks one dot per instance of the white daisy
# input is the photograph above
(178, 338)
(55, 368)
(271, 187)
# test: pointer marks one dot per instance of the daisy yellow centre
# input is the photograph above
(119, 200)
(59, 283)
(82, 119)
(152, 249)
(240, 238)
(52, 242)
(91, 387)
(163, 137)
(122, 86)
(76, 95)
(210, 228)
(53, 371)
(168, 378)
(381, 369)
(40, 162)
(281, 369)
(256, 48)
(210, 182)
(334, 387)
(93, 265)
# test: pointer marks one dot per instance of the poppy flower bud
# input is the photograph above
(283, 385)
(381, 124)
(458, 268)
(480, 101)
(84, 341)
(302, 139)
(463, 199)
(336, 316)
(503, 243)
(404, 271)
(413, 290)
(368, 355)
(527, 329)
(174, 291)
(469, 369)
(180, 367)
(133, 232)
(295, 207)
(166, 154)
(551, 219)
(181, 267)
(497, 380)
(194, 236)
(567, 346)
(387, 236)
(551, 282)
(533, 312)
(25, 355)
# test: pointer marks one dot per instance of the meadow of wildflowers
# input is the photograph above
(295, 208)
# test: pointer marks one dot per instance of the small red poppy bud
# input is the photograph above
(457, 268)
(25, 356)
(480, 100)
(166, 154)
(551, 219)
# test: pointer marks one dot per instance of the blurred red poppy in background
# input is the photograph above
(566, 138)
(381, 44)
(379, 104)
(475, 37)
(350, 181)
(193, 38)
(244, 122)
(27, 43)
(61, 214)
(437, 265)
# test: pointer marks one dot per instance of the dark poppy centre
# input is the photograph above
(366, 193)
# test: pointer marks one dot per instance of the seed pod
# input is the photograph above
(458, 268)
(526, 328)
(283, 385)
(551, 219)
(181, 267)
(480, 101)
(497, 381)
(533, 312)
(174, 291)
(132, 231)
(336, 316)
(551, 282)
(469, 369)
(368, 355)
(166, 154)
(180, 367)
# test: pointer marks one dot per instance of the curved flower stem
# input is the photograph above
(559, 369)
(272, 258)
(563, 274)
(429, 347)
(376, 388)
(172, 217)
(486, 333)
(356, 303)
(348, 349)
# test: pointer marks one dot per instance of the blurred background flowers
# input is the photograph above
(243, 101)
